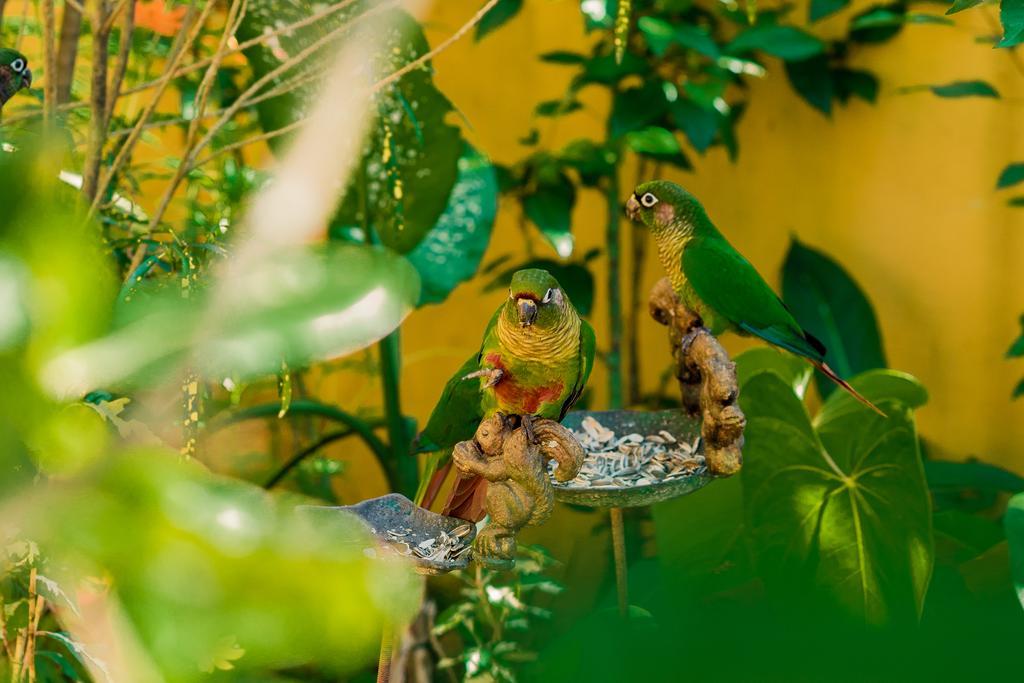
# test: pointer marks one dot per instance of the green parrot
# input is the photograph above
(715, 281)
(536, 356)
(14, 74)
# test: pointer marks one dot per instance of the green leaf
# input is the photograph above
(563, 57)
(549, 207)
(827, 302)
(1016, 350)
(878, 23)
(888, 389)
(820, 9)
(575, 278)
(813, 81)
(411, 154)
(841, 514)
(299, 305)
(598, 14)
(1018, 390)
(1011, 175)
(605, 70)
(699, 123)
(971, 474)
(850, 82)
(591, 160)
(1011, 15)
(660, 35)
(794, 371)
(451, 252)
(964, 89)
(785, 42)
(961, 5)
(635, 108)
(557, 107)
(1013, 522)
(657, 143)
(499, 15)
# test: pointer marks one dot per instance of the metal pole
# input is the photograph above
(619, 549)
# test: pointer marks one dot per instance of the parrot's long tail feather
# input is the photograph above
(430, 488)
(831, 374)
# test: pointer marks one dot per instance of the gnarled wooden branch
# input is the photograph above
(707, 380)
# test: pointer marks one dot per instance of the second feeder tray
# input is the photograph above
(683, 429)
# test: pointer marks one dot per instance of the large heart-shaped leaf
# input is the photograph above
(794, 371)
(828, 303)
(841, 511)
(452, 250)
(410, 157)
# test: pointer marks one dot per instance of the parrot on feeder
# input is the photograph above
(536, 356)
(14, 74)
(714, 280)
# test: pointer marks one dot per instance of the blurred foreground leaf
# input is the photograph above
(300, 305)
(211, 571)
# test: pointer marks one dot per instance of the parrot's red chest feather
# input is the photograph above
(515, 396)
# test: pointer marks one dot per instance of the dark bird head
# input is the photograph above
(536, 299)
(14, 73)
(662, 204)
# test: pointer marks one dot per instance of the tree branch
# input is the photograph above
(98, 102)
(123, 54)
(67, 52)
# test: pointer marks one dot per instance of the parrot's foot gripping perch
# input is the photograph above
(511, 453)
(707, 380)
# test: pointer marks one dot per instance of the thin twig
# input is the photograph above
(121, 67)
(235, 15)
(185, 38)
(430, 54)
(98, 101)
(108, 26)
(50, 60)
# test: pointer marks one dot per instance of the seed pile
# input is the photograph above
(445, 547)
(631, 460)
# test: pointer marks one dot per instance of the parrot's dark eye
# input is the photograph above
(18, 65)
(648, 200)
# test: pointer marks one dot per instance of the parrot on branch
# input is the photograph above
(14, 74)
(713, 280)
(536, 356)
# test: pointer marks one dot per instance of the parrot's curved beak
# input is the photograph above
(527, 311)
(26, 77)
(633, 208)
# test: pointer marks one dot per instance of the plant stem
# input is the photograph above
(98, 100)
(50, 61)
(619, 550)
(67, 52)
(638, 241)
(403, 463)
(613, 358)
(309, 450)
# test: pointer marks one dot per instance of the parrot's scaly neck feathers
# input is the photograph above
(543, 346)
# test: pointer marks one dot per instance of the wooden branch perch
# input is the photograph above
(707, 380)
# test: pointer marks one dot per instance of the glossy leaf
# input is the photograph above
(794, 371)
(657, 143)
(635, 108)
(890, 390)
(820, 9)
(1011, 15)
(965, 89)
(549, 207)
(854, 82)
(700, 123)
(1011, 175)
(661, 35)
(961, 5)
(828, 303)
(785, 42)
(1013, 522)
(300, 305)
(841, 512)
(1016, 349)
(451, 252)
(591, 160)
(499, 15)
(409, 158)
(198, 559)
(812, 79)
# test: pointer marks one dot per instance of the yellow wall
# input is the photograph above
(901, 193)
